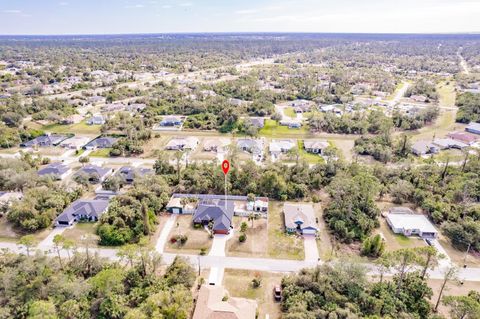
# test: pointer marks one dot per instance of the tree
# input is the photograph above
(403, 260)
(84, 160)
(464, 307)
(57, 241)
(430, 256)
(449, 274)
(252, 217)
(373, 246)
(42, 310)
(28, 241)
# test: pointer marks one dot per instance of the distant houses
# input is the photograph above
(96, 120)
(291, 123)
(473, 128)
(47, 140)
(94, 174)
(129, 174)
(254, 146)
(315, 146)
(75, 143)
(278, 147)
(182, 143)
(215, 144)
(423, 147)
(171, 121)
(56, 171)
(101, 142)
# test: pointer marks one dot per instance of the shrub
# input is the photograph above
(242, 238)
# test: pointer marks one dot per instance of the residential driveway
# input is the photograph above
(219, 244)
(162, 239)
(47, 243)
(445, 261)
(311, 250)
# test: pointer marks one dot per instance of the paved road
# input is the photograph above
(400, 94)
(260, 264)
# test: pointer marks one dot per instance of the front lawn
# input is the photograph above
(239, 284)
(101, 152)
(290, 112)
(274, 130)
(79, 128)
(196, 238)
(257, 238)
(280, 244)
(309, 157)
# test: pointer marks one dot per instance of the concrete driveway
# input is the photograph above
(219, 244)
(311, 250)
(162, 239)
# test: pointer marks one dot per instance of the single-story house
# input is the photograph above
(101, 142)
(129, 173)
(300, 217)
(217, 211)
(181, 205)
(96, 120)
(236, 102)
(82, 209)
(171, 121)
(447, 143)
(182, 143)
(215, 144)
(260, 204)
(291, 123)
(331, 108)
(464, 137)
(75, 143)
(55, 170)
(473, 128)
(277, 147)
(114, 107)
(72, 119)
(254, 146)
(135, 107)
(95, 174)
(404, 221)
(96, 100)
(258, 122)
(315, 146)
(419, 98)
(45, 140)
(424, 147)
(213, 302)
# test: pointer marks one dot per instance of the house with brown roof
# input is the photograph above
(213, 302)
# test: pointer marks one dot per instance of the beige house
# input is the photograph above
(300, 217)
(212, 304)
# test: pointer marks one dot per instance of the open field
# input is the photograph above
(79, 128)
(101, 152)
(239, 284)
(197, 238)
(274, 130)
(257, 238)
(281, 244)
(8, 233)
(79, 230)
(309, 157)
(451, 289)
(155, 145)
(456, 255)
(290, 112)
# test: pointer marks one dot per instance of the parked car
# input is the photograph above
(277, 293)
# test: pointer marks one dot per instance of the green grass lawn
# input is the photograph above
(273, 129)
(310, 158)
(103, 152)
(79, 128)
(290, 112)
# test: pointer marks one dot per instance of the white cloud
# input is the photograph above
(185, 4)
(166, 6)
(12, 11)
(135, 6)
(247, 11)
(63, 3)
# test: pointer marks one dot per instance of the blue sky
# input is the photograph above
(163, 16)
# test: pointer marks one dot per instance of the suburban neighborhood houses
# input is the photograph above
(250, 175)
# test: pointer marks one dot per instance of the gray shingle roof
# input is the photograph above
(102, 142)
(84, 207)
(54, 169)
(215, 210)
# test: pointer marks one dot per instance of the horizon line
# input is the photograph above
(238, 32)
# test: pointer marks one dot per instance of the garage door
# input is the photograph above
(176, 210)
(308, 232)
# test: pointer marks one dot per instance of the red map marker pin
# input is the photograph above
(225, 167)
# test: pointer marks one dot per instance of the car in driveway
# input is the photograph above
(277, 293)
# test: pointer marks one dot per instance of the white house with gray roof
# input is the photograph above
(94, 174)
(315, 146)
(301, 218)
(101, 142)
(82, 209)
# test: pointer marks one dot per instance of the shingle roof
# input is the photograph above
(85, 207)
(102, 142)
(54, 169)
(92, 169)
(295, 213)
(215, 210)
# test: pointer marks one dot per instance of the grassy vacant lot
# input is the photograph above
(290, 112)
(456, 255)
(257, 238)
(79, 128)
(280, 244)
(451, 289)
(394, 241)
(154, 145)
(239, 284)
(309, 157)
(8, 233)
(81, 229)
(197, 238)
(273, 129)
(101, 152)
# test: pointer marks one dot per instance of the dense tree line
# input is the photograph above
(468, 107)
(85, 286)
